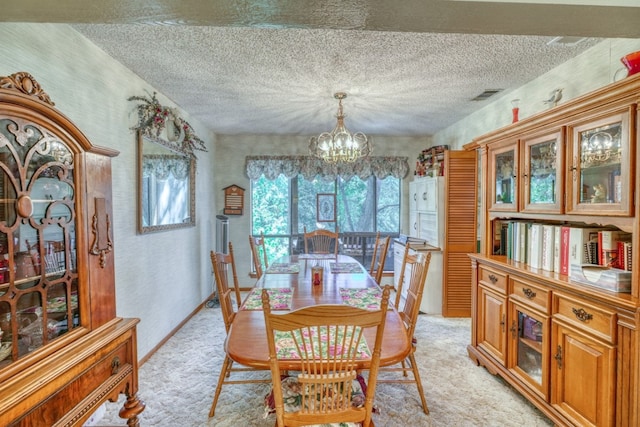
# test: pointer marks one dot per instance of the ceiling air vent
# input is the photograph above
(486, 94)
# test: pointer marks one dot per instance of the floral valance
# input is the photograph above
(161, 166)
(310, 167)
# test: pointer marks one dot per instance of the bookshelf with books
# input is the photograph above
(559, 224)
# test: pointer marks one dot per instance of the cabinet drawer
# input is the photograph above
(587, 316)
(531, 295)
(493, 279)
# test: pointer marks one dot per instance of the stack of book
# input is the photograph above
(561, 248)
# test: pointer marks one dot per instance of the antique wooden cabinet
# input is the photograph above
(63, 350)
(569, 345)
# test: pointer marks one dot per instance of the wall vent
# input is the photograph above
(488, 93)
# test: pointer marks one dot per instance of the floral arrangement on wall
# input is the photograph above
(164, 124)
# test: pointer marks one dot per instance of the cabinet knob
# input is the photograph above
(115, 365)
(503, 322)
(514, 330)
(582, 315)
(528, 293)
(493, 279)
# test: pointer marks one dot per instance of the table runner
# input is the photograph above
(366, 298)
(279, 299)
(345, 267)
(283, 267)
(286, 347)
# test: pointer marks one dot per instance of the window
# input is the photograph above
(282, 207)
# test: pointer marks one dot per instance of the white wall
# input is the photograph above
(160, 277)
(591, 70)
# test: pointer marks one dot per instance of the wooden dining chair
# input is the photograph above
(380, 248)
(259, 254)
(416, 266)
(321, 241)
(329, 342)
(224, 265)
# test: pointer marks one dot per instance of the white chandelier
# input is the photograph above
(340, 145)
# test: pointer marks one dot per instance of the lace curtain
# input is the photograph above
(160, 166)
(310, 167)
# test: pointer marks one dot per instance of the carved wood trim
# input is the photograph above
(25, 83)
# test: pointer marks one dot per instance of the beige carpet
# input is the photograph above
(177, 384)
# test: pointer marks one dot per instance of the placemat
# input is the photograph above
(366, 298)
(316, 256)
(284, 267)
(286, 347)
(345, 267)
(279, 299)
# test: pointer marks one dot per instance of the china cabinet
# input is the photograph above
(504, 176)
(600, 161)
(64, 350)
(569, 346)
(542, 177)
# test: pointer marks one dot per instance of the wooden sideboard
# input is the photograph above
(64, 350)
(569, 346)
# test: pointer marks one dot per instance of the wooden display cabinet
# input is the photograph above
(584, 361)
(601, 161)
(570, 348)
(64, 350)
(542, 172)
(504, 163)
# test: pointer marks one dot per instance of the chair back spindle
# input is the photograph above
(321, 241)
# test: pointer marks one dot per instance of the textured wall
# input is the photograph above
(160, 277)
(591, 70)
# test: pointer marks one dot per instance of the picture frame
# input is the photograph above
(326, 207)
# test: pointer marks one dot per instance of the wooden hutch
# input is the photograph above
(570, 347)
(63, 350)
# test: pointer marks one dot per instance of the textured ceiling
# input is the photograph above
(409, 68)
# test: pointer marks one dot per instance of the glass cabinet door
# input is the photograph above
(601, 166)
(38, 274)
(542, 177)
(503, 166)
(528, 348)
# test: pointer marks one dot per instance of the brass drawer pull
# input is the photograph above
(528, 293)
(558, 357)
(493, 279)
(115, 365)
(582, 315)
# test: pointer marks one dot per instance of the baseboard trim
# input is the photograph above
(173, 331)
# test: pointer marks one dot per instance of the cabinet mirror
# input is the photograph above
(166, 186)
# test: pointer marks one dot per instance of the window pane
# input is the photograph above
(356, 199)
(388, 212)
(270, 206)
(307, 203)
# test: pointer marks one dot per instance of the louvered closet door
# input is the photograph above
(460, 231)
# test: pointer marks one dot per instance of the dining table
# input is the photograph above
(289, 281)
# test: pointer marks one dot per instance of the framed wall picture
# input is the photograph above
(326, 207)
